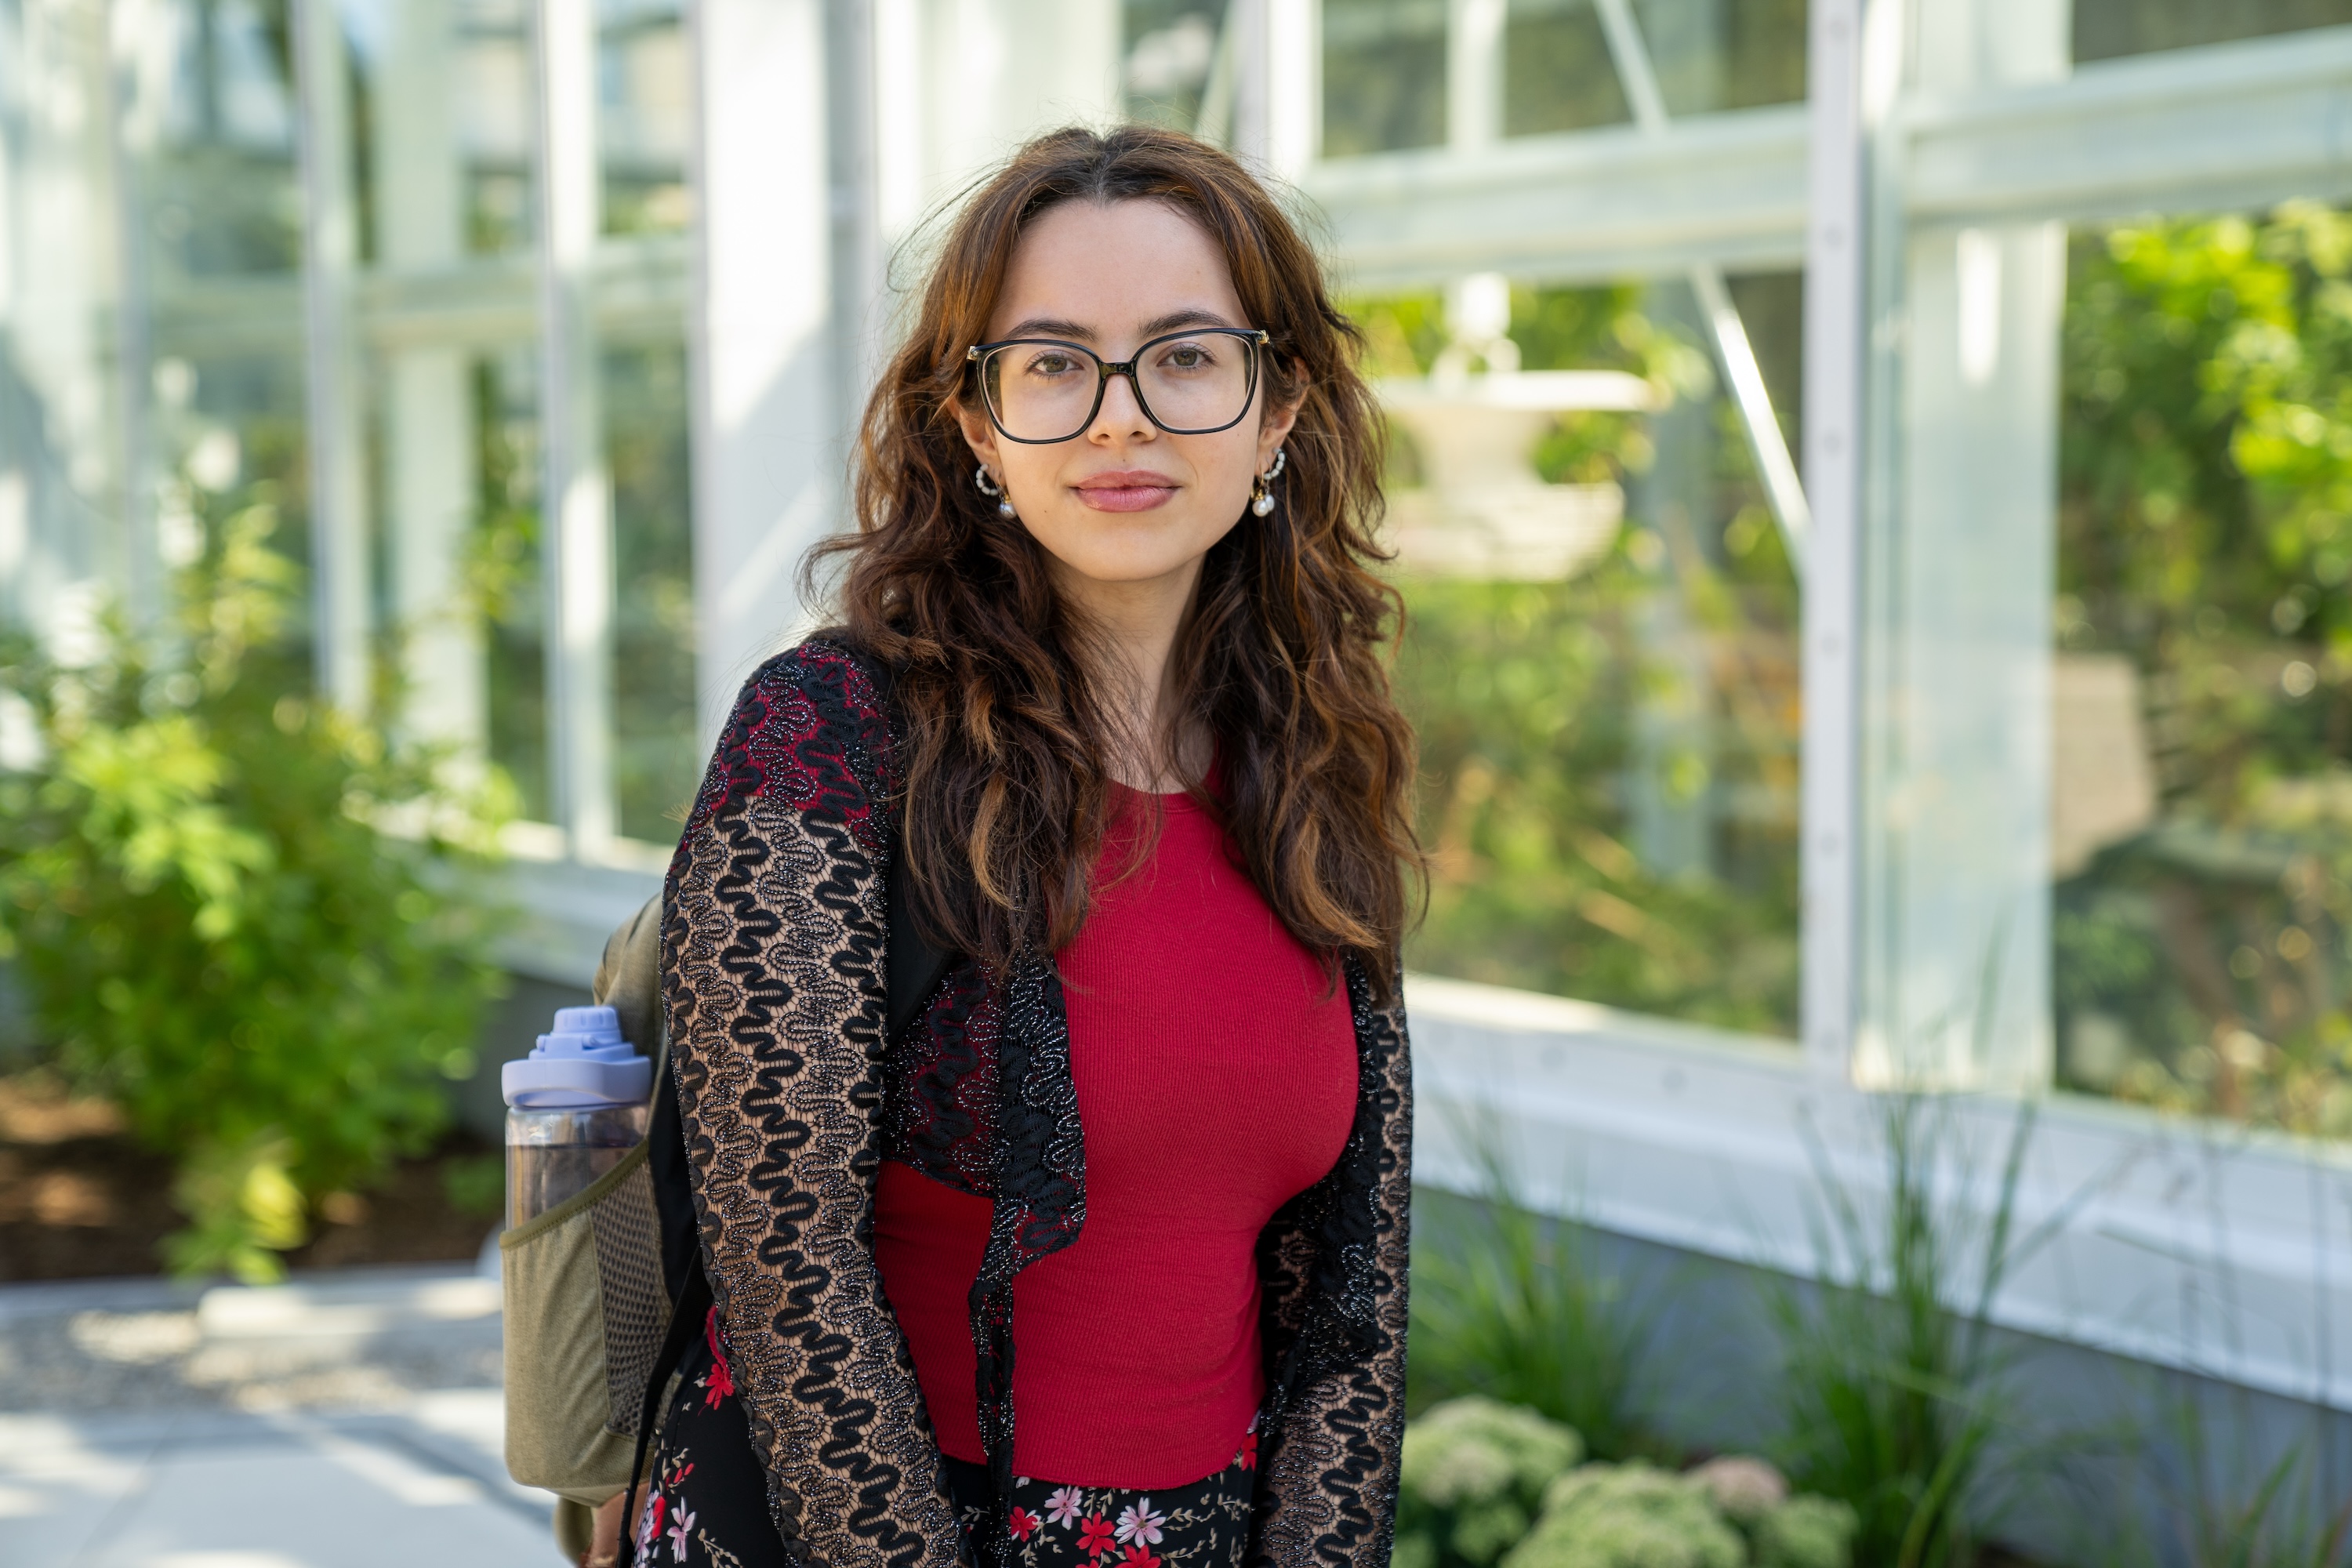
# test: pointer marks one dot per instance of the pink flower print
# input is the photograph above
(678, 1530)
(649, 1525)
(720, 1380)
(1024, 1523)
(1139, 1526)
(1094, 1534)
(1139, 1557)
(1063, 1506)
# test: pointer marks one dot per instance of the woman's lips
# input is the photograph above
(1132, 490)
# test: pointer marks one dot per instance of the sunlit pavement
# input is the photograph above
(342, 1421)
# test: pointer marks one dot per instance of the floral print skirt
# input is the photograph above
(707, 1507)
(1204, 1525)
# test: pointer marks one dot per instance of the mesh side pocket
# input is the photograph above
(637, 1311)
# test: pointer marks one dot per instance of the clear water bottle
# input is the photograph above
(575, 1107)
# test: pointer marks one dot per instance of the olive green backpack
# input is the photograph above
(586, 1308)
(592, 1338)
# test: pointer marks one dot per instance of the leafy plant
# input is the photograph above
(1473, 1479)
(1894, 1385)
(208, 918)
(1520, 1310)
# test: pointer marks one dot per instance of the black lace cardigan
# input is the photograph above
(789, 1095)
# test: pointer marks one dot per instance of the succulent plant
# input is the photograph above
(1474, 1472)
(1807, 1532)
(1628, 1516)
(1477, 1472)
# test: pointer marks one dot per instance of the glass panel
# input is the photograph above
(2104, 29)
(505, 560)
(1713, 55)
(1557, 72)
(2202, 678)
(656, 765)
(1708, 56)
(213, 371)
(496, 104)
(1601, 659)
(643, 118)
(1383, 75)
(1171, 54)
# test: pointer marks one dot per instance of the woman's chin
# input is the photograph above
(1127, 548)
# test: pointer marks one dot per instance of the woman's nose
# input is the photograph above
(1121, 414)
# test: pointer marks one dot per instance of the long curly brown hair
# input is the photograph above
(1008, 738)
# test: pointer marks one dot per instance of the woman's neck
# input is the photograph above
(1135, 624)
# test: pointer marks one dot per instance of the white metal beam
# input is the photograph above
(766, 394)
(425, 411)
(1835, 292)
(575, 499)
(2231, 127)
(329, 255)
(1593, 205)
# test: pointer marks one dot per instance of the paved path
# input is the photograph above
(342, 1421)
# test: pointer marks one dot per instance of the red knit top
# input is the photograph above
(1215, 1069)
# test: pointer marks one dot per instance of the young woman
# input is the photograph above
(1102, 758)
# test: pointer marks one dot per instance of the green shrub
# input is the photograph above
(1806, 1532)
(1474, 1474)
(209, 923)
(1484, 1482)
(1628, 1516)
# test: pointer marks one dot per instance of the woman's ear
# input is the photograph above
(979, 435)
(1280, 419)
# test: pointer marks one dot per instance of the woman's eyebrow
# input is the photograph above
(1056, 327)
(1050, 327)
(1178, 319)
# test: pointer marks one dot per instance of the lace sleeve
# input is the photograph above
(1336, 1289)
(774, 979)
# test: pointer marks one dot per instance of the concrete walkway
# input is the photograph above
(340, 1421)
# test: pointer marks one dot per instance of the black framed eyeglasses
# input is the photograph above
(1039, 391)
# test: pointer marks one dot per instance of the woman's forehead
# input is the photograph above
(1109, 271)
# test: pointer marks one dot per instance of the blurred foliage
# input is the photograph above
(1537, 706)
(502, 576)
(2206, 536)
(1517, 1306)
(1484, 1482)
(246, 918)
(656, 761)
(1473, 1478)
(475, 1184)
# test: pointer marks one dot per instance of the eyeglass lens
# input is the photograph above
(1045, 392)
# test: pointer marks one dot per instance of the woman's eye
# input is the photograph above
(1053, 364)
(1187, 356)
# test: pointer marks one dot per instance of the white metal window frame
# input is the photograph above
(2189, 1244)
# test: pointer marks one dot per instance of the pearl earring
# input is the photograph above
(1262, 502)
(989, 488)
